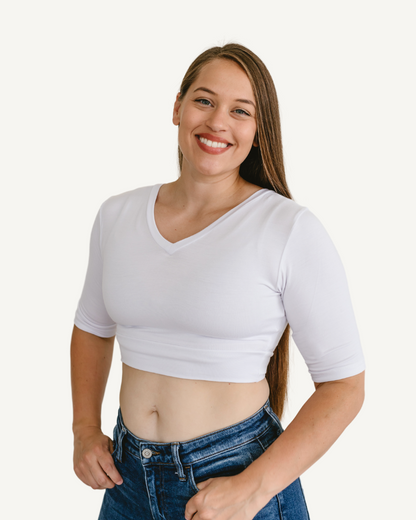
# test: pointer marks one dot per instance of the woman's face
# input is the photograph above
(217, 120)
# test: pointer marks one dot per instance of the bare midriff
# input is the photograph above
(166, 409)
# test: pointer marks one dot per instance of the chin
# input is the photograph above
(208, 169)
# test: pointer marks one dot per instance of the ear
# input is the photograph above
(176, 106)
(255, 141)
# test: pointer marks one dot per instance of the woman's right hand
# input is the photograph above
(93, 463)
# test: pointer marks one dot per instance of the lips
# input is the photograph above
(212, 144)
(213, 138)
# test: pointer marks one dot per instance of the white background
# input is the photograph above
(86, 97)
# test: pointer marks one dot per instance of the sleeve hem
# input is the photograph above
(339, 374)
(100, 332)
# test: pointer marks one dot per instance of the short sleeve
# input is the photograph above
(317, 302)
(91, 314)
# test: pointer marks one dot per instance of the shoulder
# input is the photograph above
(123, 205)
(278, 205)
(295, 229)
(116, 203)
(298, 218)
(279, 213)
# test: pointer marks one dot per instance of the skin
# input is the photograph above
(208, 187)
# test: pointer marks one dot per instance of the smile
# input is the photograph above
(213, 144)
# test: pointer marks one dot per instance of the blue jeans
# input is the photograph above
(160, 477)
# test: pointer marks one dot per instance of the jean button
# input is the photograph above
(147, 453)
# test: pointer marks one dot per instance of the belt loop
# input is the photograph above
(119, 450)
(178, 463)
(274, 417)
(267, 405)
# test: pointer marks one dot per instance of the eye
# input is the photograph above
(203, 101)
(242, 112)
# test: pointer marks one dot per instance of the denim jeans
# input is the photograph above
(159, 478)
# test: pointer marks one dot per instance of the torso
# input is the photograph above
(165, 409)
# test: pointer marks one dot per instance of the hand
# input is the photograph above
(93, 463)
(222, 498)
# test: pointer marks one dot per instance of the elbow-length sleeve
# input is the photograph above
(91, 314)
(316, 299)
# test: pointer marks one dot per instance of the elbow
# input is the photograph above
(356, 394)
(349, 394)
(361, 391)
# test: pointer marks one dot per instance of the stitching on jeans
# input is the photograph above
(232, 447)
(275, 418)
(148, 496)
(261, 444)
(126, 448)
(279, 505)
(203, 458)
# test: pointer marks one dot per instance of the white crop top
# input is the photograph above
(213, 306)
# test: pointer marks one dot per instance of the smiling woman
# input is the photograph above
(222, 123)
(200, 279)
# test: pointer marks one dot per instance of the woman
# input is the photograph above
(200, 278)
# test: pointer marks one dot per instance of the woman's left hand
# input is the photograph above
(221, 498)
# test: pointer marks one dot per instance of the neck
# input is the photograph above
(207, 192)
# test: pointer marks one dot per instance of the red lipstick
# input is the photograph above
(210, 149)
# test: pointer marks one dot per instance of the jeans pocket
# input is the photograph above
(191, 479)
(226, 463)
(114, 452)
(270, 435)
(277, 421)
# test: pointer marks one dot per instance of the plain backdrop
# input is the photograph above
(86, 93)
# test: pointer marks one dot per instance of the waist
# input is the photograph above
(199, 447)
(167, 409)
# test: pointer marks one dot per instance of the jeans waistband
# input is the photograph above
(195, 449)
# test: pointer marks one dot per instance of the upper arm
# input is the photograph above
(317, 303)
(91, 314)
(79, 335)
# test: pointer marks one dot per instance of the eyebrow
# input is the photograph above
(204, 89)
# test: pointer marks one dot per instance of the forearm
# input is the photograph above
(90, 365)
(316, 427)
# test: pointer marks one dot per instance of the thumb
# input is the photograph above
(204, 484)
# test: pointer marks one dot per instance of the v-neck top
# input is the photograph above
(171, 247)
(214, 305)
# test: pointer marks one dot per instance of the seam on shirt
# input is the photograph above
(304, 210)
(101, 227)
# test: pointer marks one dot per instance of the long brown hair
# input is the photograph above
(263, 166)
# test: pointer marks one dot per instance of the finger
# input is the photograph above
(100, 478)
(84, 474)
(80, 474)
(110, 470)
(190, 510)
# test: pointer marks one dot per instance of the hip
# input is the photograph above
(160, 478)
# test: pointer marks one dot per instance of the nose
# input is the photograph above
(218, 120)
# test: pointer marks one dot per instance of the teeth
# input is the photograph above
(213, 144)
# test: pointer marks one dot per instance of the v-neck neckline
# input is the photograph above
(171, 247)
